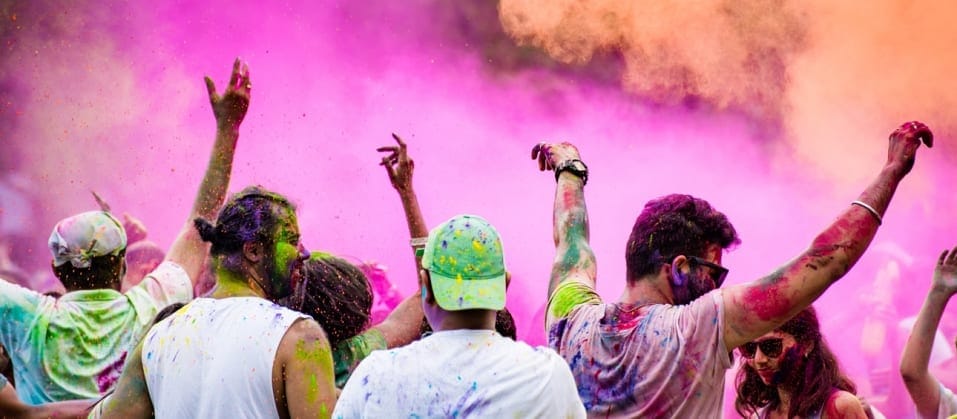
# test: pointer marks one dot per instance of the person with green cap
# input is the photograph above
(74, 347)
(465, 368)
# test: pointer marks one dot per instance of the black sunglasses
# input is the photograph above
(718, 272)
(769, 347)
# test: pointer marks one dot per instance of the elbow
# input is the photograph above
(910, 374)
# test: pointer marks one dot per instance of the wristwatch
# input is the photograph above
(575, 167)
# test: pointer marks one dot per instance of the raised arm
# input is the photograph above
(923, 387)
(400, 167)
(753, 309)
(189, 250)
(403, 324)
(574, 259)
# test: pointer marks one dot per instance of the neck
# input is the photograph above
(231, 284)
(466, 319)
(784, 396)
(647, 290)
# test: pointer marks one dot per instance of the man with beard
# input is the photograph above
(237, 353)
(662, 350)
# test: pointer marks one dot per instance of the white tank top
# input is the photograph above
(214, 358)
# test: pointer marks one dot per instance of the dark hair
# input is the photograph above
(675, 225)
(820, 377)
(336, 294)
(251, 215)
(166, 312)
(505, 323)
(104, 272)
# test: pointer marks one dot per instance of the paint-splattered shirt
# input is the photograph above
(350, 352)
(74, 347)
(641, 360)
(214, 358)
(461, 373)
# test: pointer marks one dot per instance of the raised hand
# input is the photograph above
(135, 229)
(230, 108)
(945, 274)
(398, 165)
(550, 155)
(905, 141)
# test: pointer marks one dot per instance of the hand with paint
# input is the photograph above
(230, 108)
(905, 141)
(551, 155)
(398, 165)
(945, 274)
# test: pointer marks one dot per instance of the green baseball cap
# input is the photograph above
(466, 264)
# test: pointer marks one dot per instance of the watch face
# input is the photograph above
(577, 166)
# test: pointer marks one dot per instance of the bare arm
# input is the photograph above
(404, 323)
(131, 399)
(400, 166)
(574, 258)
(307, 372)
(845, 406)
(923, 387)
(751, 310)
(189, 250)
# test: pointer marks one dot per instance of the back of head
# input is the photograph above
(250, 215)
(466, 264)
(336, 294)
(88, 250)
(674, 225)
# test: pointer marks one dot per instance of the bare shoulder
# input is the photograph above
(844, 405)
(303, 332)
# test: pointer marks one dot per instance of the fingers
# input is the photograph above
(246, 84)
(399, 140)
(234, 77)
(211, 88)
(952, 259)
(942, 258)
(391, 148)
(388, 168)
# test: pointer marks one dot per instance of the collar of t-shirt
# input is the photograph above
(105, 294)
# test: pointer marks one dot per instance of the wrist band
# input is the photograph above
(418, 241)
(869, 209)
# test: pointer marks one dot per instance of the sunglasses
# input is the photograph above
(718, 272)
(769, 347)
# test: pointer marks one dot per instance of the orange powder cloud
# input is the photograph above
(835, 76)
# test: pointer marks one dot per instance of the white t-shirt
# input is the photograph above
(947, 406)
(654, 360)
(461, 373)
(214, 358)
(74, 347)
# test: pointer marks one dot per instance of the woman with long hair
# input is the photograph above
(792, 373)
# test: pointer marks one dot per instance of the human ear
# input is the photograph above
(253, 252)
(426, 285)
(678, 276)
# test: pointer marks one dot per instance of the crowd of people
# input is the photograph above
(238, 319)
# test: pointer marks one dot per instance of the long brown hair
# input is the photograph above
(819, 377)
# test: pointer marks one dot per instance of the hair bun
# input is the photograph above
(207, 231)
